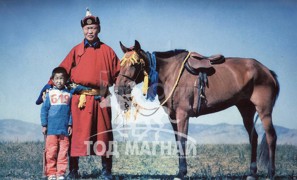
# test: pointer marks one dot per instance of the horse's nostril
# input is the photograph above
(125, 98)
(126, 105)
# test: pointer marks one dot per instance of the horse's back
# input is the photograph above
(247, 69)
(243, 70)
(237, 80)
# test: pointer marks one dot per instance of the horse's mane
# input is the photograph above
(168, 54)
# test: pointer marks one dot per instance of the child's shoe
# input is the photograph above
(61, 177)
(52, 177)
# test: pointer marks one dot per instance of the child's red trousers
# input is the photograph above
(56, 154)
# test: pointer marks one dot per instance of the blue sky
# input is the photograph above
(36, 36)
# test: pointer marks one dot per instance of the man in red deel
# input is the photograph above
(93, 67)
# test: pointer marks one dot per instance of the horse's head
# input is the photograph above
(134, 67)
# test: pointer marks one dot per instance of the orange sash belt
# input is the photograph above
(92, 92)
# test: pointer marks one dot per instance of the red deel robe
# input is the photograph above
(96, 68)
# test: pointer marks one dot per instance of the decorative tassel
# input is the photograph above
(82, 101)
(88, 13)
(145, 83)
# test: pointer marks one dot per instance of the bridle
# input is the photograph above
(134, 61)
(137, 62)
(130, 78)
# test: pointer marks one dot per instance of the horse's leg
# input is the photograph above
(180, 127)
(247, 110)
(264, 105)
(271, 141)
(174, 127)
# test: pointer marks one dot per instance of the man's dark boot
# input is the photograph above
(106, 167)
(73, 168)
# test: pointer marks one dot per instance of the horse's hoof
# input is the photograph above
(250, 178)
(179, 176)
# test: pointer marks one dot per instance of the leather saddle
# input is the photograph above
(198, 62)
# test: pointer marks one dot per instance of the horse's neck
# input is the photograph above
(168, 68)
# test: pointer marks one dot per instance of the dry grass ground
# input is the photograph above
(24, 161)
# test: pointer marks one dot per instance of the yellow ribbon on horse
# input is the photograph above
(145, 83)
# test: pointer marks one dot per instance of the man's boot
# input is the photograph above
(73, 168)
(106, 167)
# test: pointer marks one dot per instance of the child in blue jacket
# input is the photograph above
(56, 124)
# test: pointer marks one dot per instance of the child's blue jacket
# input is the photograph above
(55, 111)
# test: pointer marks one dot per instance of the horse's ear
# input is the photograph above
(124, 49)
(137, 46)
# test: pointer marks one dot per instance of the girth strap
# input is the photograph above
(202, 83)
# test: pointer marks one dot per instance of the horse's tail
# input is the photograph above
(264, 152)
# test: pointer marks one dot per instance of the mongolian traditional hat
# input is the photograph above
(89, 19)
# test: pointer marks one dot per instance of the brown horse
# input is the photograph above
(242, 82)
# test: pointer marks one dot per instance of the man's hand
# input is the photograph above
(69, 130)
(44, 95)
(44, 130)
(41, 96)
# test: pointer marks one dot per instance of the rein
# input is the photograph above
(178, 78)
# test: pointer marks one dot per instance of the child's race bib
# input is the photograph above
(58, 97)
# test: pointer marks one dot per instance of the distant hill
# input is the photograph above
(236, 134)
(201, 133)
(16, 130)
